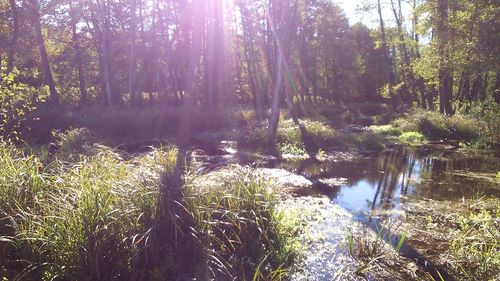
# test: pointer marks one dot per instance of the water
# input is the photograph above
(383, 185)
(353, 192)
(400, 174)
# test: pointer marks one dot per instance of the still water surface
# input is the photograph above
(401, 174)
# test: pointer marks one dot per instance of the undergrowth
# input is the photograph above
(367, 246)
(475, 248)
(87, 214)
(475, 130)
(293, 138)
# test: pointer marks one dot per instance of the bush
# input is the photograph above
(412, 138)
(386, 130)
(479, 131)
(290, 138)
(17, 103)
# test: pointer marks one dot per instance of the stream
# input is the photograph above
(349, 193)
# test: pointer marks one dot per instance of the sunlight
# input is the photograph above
(207, 139)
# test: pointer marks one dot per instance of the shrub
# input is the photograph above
(463, 128)
(386, 130)
(479, 131)
(17, 103)
(434, 127)
(411, 138)
(291, 137)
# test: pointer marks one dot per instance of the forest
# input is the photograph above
(249, 140)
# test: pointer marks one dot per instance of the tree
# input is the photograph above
(34, 7)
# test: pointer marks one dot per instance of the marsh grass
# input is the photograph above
(475, 249)
(290, 138)
(388, 130)
(95, 216)
(411, 138)
(240, 221)
(480, 131)
(367, 247)
(74, 218)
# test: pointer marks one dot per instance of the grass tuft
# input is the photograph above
(98, 217)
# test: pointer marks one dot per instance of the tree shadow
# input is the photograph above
(310, 144)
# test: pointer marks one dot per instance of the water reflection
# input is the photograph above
(399, 174)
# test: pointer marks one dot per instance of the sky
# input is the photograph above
(369, 18)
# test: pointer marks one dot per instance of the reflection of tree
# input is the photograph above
(394, 167)
(440, 181)
(395, 171)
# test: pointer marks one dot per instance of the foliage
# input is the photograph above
(471, 129)
(291, 148)
(475, 247)
(17, 102)
(411, 138)
(389, 130)
(294, 138)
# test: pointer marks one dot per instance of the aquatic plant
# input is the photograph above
(239, 219)
(367, 247)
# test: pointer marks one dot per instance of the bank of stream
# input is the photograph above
(345, 194)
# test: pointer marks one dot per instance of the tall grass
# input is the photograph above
(475, 248)
(367, 247)
(475, 130)
(291, 138)
(239, 219)
(94, 216)
(73, 219)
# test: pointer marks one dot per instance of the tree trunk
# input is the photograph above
(35, 19)
(78, 56)
(275, 110)
(389, 76)
(132, 55)
(192, 74)
(105, 56)
(249, 54)
(445, 72)
(496, 93)
(15, 36)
